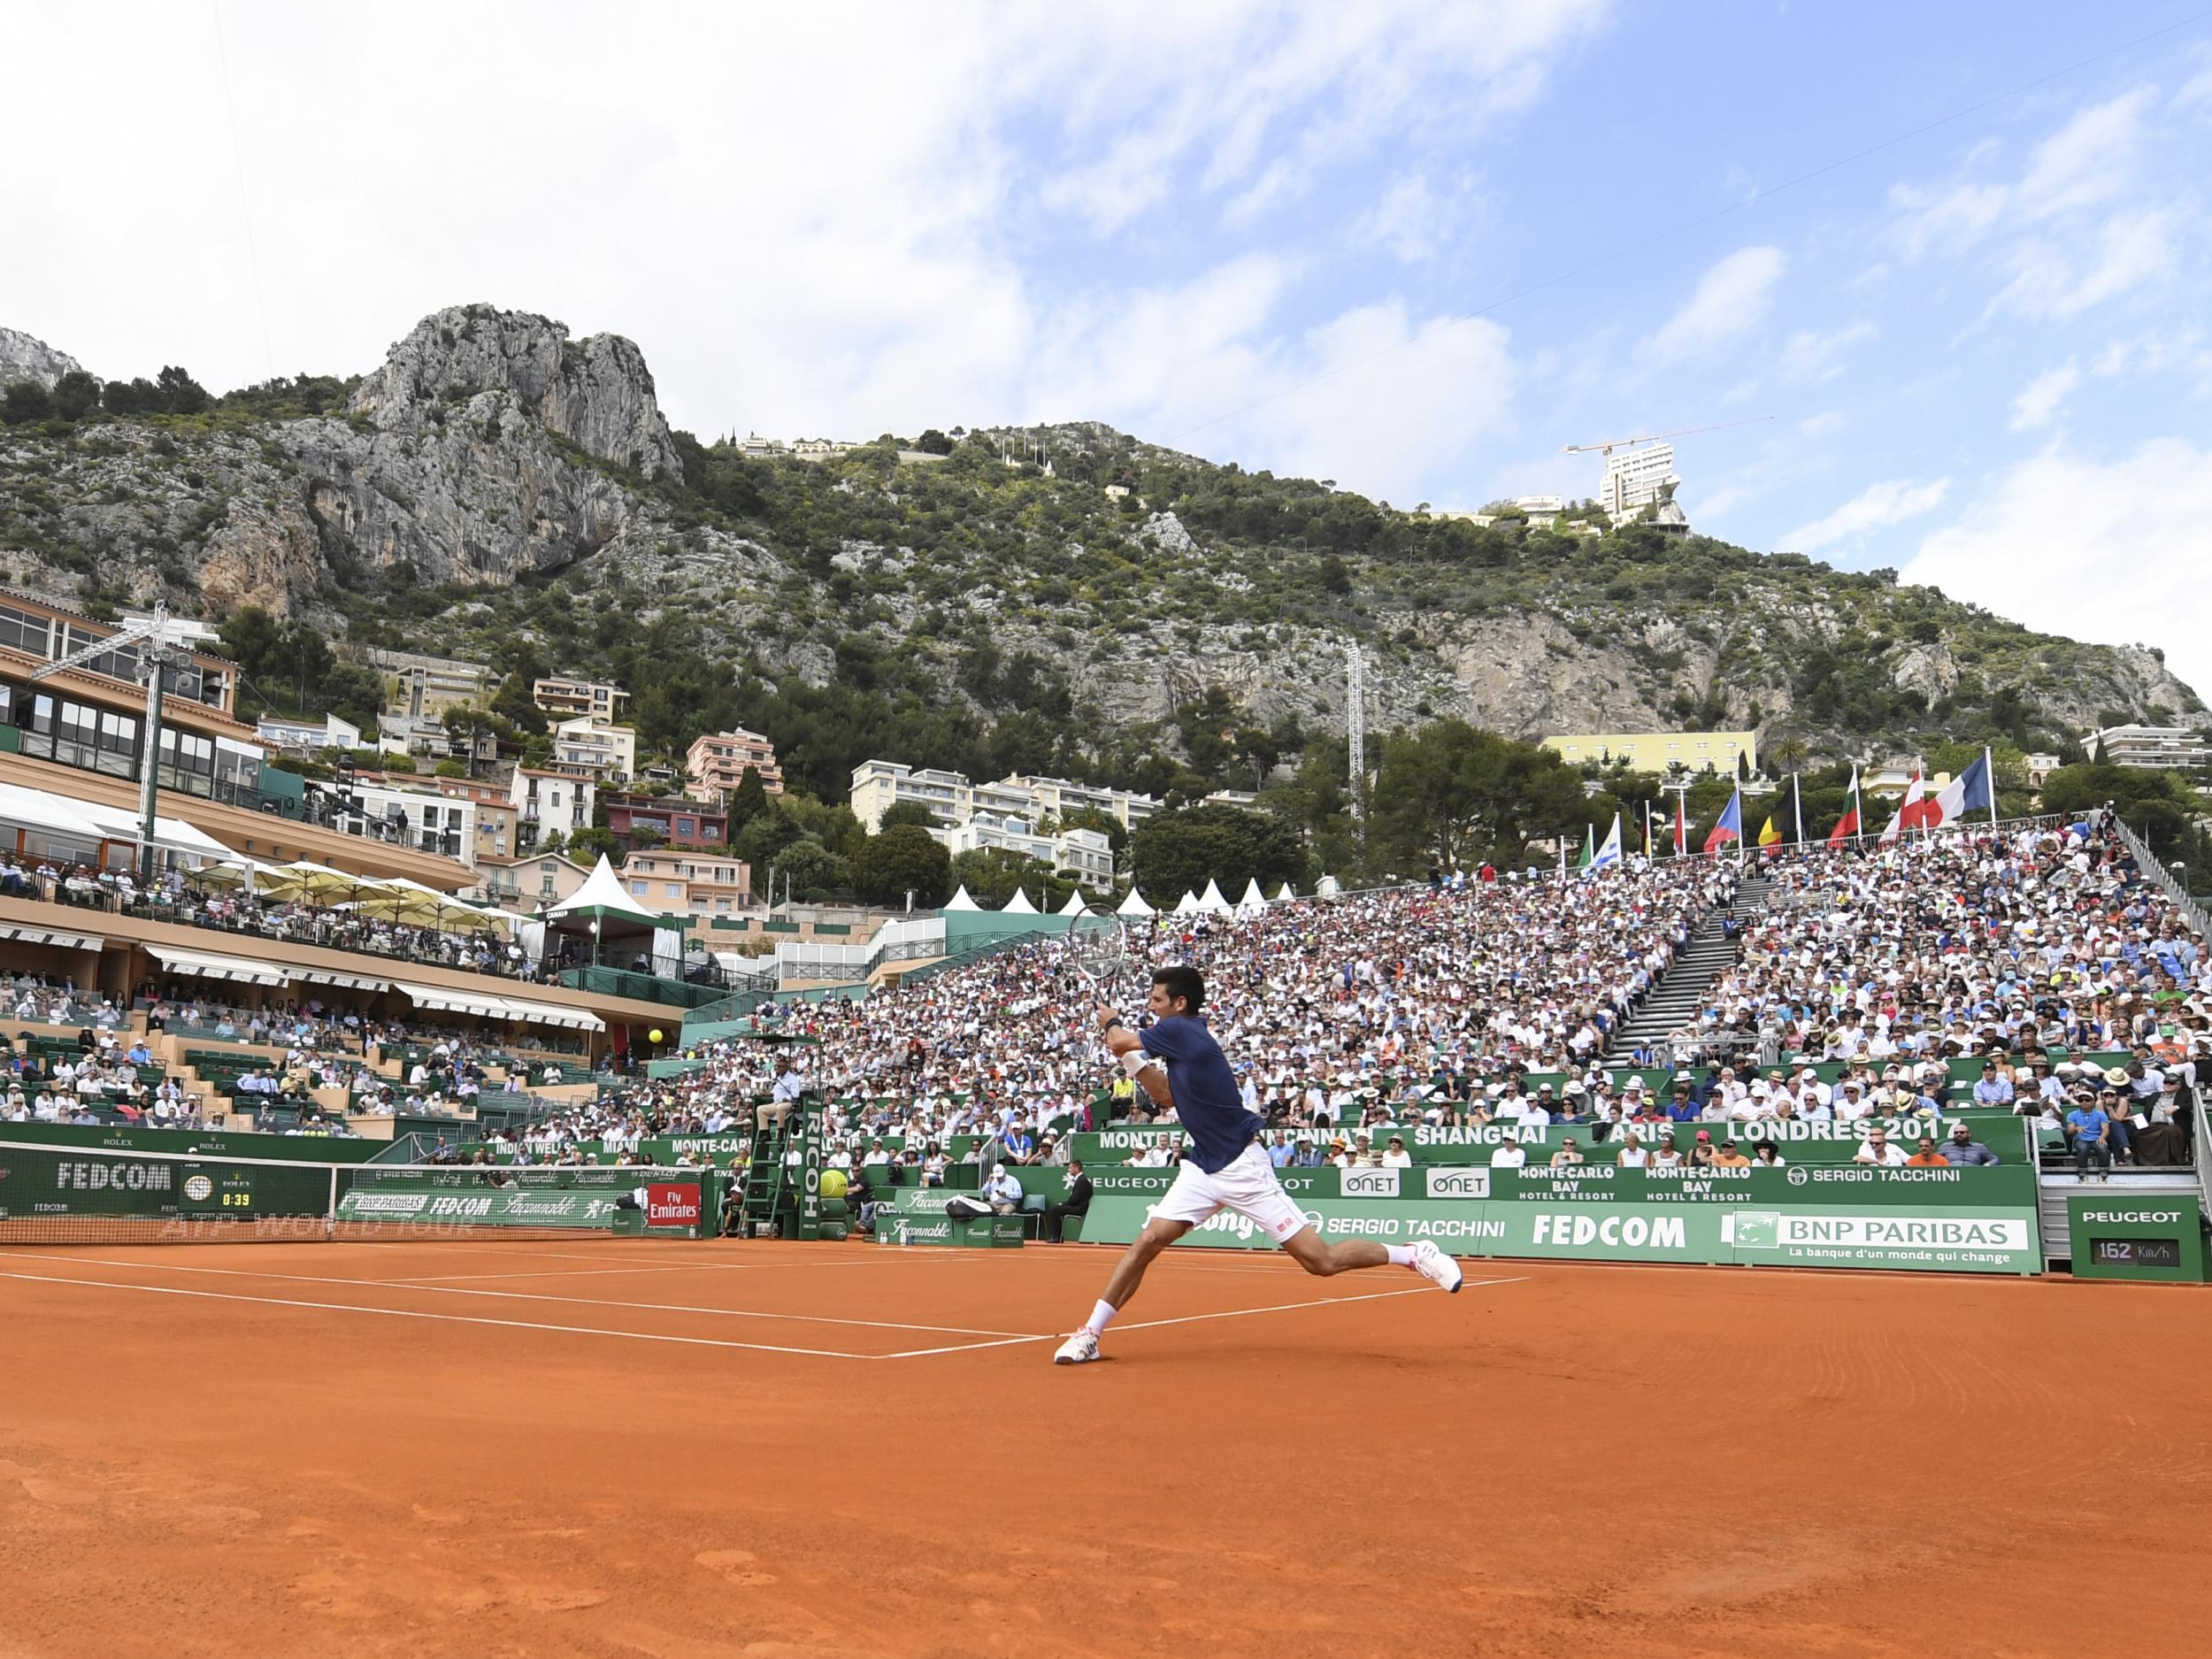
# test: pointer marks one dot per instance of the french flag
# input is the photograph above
(1729, 827)
(1968, 792)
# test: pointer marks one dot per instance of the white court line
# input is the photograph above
(524, 1296)
(448, 1318)
(541, 1272)
(1193, 1318)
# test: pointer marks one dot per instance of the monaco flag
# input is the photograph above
(1911, 811)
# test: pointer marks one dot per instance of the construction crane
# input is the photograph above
(1654, 437)
(158, 651)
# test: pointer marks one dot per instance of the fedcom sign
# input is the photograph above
(1581, 1230)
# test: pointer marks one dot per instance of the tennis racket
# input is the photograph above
(1098, 952)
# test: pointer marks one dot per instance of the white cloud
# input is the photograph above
(2041, 398)
(2053, 278)
(840, 220)
(1415, 221)
(1876, 507)
(1731, 299)
(1826, 424)
(2109, 551)
(1814, 358)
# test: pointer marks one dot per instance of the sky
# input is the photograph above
(1934, 276)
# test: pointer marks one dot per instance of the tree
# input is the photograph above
(180, 394)
(1178, 852)
(589, 844)
(76, 394)
(992, 874)
(912, 813)
(768, 833)
(450, 768)
(748, 800)
(1453, 796)
(903, 857)
(26, 400)
(933, 442)
(811, 868)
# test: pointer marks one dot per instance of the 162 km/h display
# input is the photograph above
(2135, 1252)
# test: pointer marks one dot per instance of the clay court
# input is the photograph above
(554, 1448)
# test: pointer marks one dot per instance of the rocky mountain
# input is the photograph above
(496, 483)
(24, 358)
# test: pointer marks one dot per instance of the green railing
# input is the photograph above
(644, 988)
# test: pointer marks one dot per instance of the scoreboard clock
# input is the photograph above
(2149, 1235)
(210, 1190)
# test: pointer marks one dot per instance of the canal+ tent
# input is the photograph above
(618, 928)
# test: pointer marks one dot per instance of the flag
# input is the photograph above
(1919, 810)
(1589, 847)
(1968, 792)
(1909, 811)
(1770, 836)
(1848, 826)
(1729, 827)
(1609, 854)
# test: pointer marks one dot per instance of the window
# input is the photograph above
(671, 889)
(638, 888)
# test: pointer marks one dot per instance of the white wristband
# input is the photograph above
(1135, 1061)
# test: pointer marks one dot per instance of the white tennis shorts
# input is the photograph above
(1248, 1187)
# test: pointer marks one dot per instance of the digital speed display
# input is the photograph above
(2136, 1252)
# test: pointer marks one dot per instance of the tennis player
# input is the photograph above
(1178, 1062)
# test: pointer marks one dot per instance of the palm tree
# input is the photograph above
(1789, 754)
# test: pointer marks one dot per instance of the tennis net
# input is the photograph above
(60, 1195)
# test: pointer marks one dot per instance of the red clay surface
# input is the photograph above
(1583, 1460)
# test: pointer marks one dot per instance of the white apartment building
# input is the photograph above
(307, 737)
(594, 699)
(1636, 478)
(589, 742)
(879, 784)
(2173, 748)
(420, 819)
(547, 803)
(1086, 855)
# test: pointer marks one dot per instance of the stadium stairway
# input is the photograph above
(1680, 991)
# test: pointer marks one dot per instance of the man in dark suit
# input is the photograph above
(1077, 1203)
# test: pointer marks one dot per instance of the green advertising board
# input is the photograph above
(2117, 1234)
(1964, 1220)
(986, 1232)
(301, 1148)
(1796, 1140)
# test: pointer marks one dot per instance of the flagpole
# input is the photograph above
(1797, 805)
(1858, 806)
(1989, 776)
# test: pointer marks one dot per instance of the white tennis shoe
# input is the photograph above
(1082, 1347)
(1430, 1263)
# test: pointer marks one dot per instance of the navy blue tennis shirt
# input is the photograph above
(1212, 1110)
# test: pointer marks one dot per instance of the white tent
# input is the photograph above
(1253, 901)
(44, 816)
(1018, 905)
(1287, 894)
(604, 906)
(1134, 905)
(1212, 902)
(1328, 889)
(960, 900)
(1188, 905)
(170, 834)
(1075, 905)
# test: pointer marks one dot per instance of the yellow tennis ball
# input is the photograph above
(833, 1183)
(654, 1035)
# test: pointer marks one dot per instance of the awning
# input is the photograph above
(343, 981)
(439, 997)
(213, 967)
(46, 936)
(170, 834)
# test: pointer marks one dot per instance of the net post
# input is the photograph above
(330, 1211)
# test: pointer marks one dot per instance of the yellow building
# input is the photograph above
(1655, 752)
